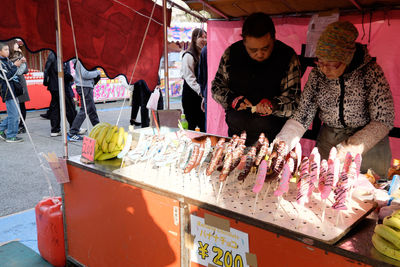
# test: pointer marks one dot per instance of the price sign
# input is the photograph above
(217, 247)
(88, 146)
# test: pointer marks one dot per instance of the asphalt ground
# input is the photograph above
(23, 181)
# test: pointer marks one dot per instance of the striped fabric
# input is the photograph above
(337, 42)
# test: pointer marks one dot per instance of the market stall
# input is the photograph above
(195, 219)
(139, 213)
(375, 30)
(162, 216)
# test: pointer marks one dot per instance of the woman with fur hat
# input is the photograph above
(353, 98)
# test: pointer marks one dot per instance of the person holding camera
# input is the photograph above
(15, 54)
(8, 70)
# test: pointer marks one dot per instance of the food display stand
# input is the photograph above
(144, 216)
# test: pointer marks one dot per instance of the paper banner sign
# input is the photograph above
(59, 168)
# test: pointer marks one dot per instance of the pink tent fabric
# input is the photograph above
(381, 37)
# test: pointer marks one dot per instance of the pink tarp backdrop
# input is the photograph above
(384, 43)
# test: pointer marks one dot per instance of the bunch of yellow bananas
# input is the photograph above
(386, 238)
(109, 140)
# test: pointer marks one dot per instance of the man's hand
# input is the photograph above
(245, 104)
(264, 107)
(241, 103)
(202, 105)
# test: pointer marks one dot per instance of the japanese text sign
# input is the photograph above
(217, 247)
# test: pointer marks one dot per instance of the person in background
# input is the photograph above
(15, 53)
(51, 80)
(9, 125)
(258, 81)
(140, 96)
(203, 78)
(69, 97)
(352, 95)
(84, 81)
(192, 99)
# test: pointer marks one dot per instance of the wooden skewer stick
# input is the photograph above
(266, 192)
(323, 211)
(255, 204)
(221, 185)
(277, 208)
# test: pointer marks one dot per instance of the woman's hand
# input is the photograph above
(344, 148)
(245, 104)
(203, 106)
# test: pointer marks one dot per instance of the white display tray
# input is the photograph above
(238, 197)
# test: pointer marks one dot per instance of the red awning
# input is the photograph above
(108, 32)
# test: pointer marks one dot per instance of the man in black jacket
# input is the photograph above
(258, 81)
(51, 81)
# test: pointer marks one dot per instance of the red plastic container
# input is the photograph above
(50, 231)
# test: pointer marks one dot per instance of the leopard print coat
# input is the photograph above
(366, 96)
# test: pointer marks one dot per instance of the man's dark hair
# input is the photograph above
(2, 44)
(257, 25)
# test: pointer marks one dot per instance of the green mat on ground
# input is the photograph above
(16, 254)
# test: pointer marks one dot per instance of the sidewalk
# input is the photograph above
(20, 227)
(22, 180)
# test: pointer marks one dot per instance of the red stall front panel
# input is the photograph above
(110, 223)
(270, 249)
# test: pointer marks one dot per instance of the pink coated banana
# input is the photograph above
(314, 169)
(262, 171)
(284, 181)
(347, 161)
(303, 183)
(323, 175)
(357, 161)
(341, 192)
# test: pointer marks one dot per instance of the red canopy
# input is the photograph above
(108, 32)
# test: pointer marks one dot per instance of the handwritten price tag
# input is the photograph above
(88, 146)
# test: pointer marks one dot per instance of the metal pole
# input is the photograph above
(61, 79)
(166, 79)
